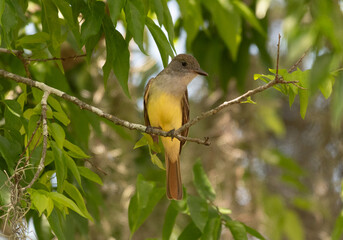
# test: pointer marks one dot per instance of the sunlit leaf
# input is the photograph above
(191, 232)
(57, 133)
(75, 194)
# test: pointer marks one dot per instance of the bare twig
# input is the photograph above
(54, 58)
(31, 138)
(277, 59)
(292, 69)
(45, 139)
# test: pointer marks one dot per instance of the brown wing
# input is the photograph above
(146, 97)
(185, 115)
(146, 116)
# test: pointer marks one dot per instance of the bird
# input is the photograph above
(166, 107)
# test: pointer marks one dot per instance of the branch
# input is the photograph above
(54, 58)
(45, 140)
(99, 112)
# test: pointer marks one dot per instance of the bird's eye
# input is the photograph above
(184, 64)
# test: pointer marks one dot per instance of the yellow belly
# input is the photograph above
(164, 111)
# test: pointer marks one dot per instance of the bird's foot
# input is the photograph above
(171, 133)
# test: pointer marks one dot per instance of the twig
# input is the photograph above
(45, 139)
(292, 69)
(31, 138)
(54, 58)
(277, 59)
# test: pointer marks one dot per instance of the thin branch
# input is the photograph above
(277, 59)
(292, 69)
(54, 58)
(31, 138)
(45, 139)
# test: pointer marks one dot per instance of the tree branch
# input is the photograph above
(99, 112)
(45, 140)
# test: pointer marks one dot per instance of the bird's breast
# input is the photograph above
(165, 111)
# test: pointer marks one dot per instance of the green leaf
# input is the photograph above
(75, 194)
(87, 173)
(74, 151)
(191, 232)
(142, 142)
(67, 13)
(8, 21)
(202, 183)
(117, 56)
(39, 199)
(9, 151)
(72, 167)
(212, 229)
(143, 202)
(237, 230)
(156, 161)
(115, 7)
(135, 16)
(93, 20)
(161, 41)
(292, 226)
(228, 23)
(198, 209)
(337, 103)
(59, 114)
(65, 202)
(40, 37)
(249, 16)
(12, 115)
(337, 232)
(55, 220)
(303, 98)
(52, 26)
(192, 19)
(164, 17)
(59, 165)
(57, 133)
(249, 100)
(320, 71)
(121, 62)
(253, 232)
(169, 221)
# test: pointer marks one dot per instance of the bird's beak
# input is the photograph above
(201, 72)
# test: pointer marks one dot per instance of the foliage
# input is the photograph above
(45, 39)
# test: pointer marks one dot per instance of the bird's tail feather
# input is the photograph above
(174, 184)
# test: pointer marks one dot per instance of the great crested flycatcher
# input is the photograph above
(166, 107)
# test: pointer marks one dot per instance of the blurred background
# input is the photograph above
(275, 171)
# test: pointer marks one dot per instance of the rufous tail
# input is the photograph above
(174, 184)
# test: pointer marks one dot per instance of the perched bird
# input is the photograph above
(166, 107)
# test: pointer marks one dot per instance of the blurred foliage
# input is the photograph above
(267, 167)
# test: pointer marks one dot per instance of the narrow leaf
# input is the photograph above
(161, 41)
(135, 16)
(237, 230)
(87, 173)
(198, 209)
(115, 7)
(169, 221)
(202, 183)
